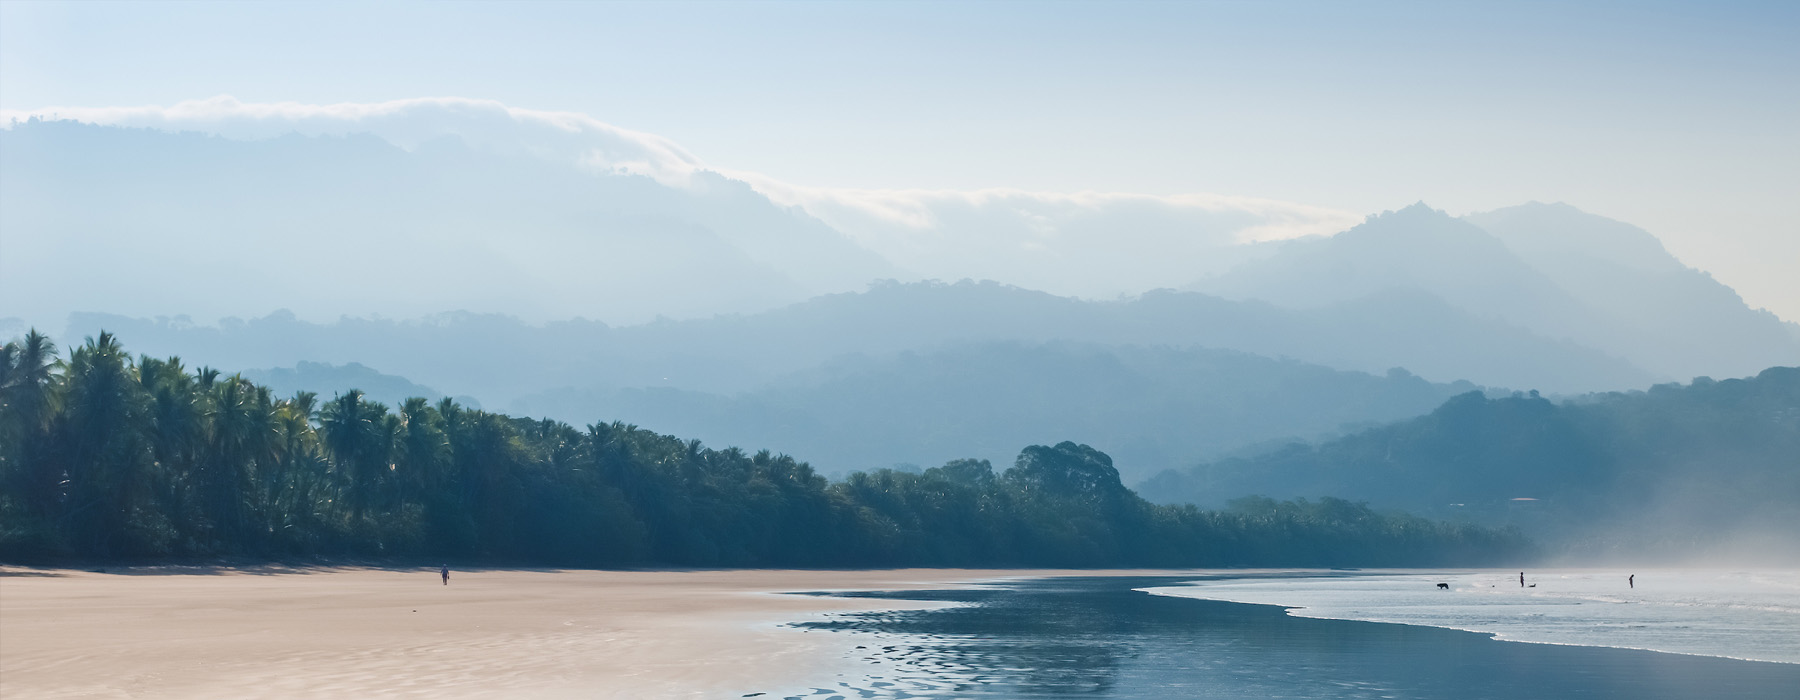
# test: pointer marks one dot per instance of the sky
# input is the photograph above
(1682, 118)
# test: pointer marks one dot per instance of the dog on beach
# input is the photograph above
(1444, 586)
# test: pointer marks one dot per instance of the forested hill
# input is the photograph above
(1710, 468)
(1152, 408)
(107, 457)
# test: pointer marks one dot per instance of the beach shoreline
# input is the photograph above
(197, 632)
(1688, 611)
(1108, 637)
(279, 632)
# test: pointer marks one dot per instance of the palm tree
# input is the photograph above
(28, 402)
(359, 441)
(290, 487)
(106, 465)
(242, 437)
(177, 434)
(424, 451)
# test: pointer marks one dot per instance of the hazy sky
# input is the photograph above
(1681, 118)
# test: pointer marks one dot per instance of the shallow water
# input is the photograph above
(1744, 614)
(1104, 637)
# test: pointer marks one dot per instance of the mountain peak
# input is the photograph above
(1419, 225)
(1417, 209)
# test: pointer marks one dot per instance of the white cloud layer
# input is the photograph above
(482, 124)
(1091, 244)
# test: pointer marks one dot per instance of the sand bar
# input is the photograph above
(373, 633)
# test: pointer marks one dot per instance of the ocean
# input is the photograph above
(1227, 636)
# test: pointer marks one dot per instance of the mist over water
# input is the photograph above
(1108, 638)
(1741, 614)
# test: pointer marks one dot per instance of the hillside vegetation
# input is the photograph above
(107, 457)
(1709, 468)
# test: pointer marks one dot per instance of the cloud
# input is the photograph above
(483, 124)
(1095, 244)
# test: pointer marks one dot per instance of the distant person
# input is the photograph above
(1521, 579)
(445, 572)
(1631, 580)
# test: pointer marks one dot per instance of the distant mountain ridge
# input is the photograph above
(1551, 269)
(729, 354)
(827, 380)
(1154, 407)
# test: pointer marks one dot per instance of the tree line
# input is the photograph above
(108, 457)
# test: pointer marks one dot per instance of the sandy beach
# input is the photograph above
(385, 633)
(271, 633)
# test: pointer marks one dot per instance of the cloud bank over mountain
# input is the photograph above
(486, 125)
(411, 208)
(1090, 244)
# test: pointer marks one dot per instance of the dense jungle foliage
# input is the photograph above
(106, 457)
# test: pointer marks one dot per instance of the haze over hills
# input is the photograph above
(1668, 317)
(1154, 408)
(456, 352)
(420, 207)
(326, 381)
(796, 372)
(440, 227)
(1552, 269)
(1710, 469)
(435, 205)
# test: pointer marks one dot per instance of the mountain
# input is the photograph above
(1711, 468)
(500, 358)
(1536, 296)
(210, 226)
(1153, 408)
(1413, 248)
(926, 372)
(1668, 317)
(1549, 269)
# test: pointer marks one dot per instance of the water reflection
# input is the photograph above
(1097, 637)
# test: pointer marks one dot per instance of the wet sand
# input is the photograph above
(372, 633)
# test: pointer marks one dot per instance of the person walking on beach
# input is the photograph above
(445, 572)
(1521, 579)
(1631, 580)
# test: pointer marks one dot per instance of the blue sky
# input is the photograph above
(1681, 118)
